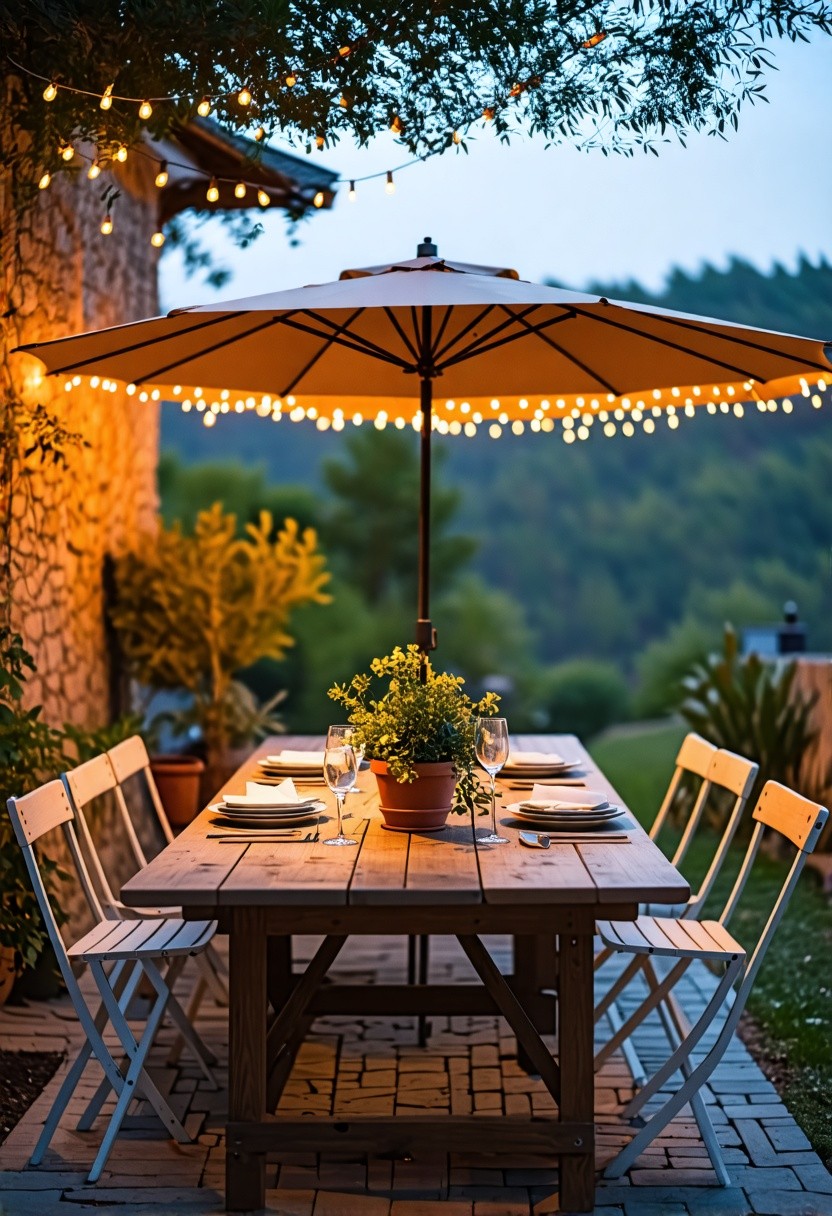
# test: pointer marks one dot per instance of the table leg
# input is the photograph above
(245, 1173)
(575, 979)
(535, 968)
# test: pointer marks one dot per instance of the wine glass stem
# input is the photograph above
(493, 805)
(339, 802)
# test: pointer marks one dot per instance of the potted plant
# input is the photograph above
(192, 611)
(419, 737)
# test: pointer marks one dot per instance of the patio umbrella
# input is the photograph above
(380, 343)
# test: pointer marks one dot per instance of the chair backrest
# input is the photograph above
(32, 816)
(800, 821)
(735, 774)
(130, 759)
(84, 784)
(694, 757)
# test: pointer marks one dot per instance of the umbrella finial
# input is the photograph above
(426, 249)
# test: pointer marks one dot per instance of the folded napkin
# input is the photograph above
(309, 759)
(535, 758)
(549, 798)
(266, 795)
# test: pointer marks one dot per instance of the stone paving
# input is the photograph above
(374, 1066)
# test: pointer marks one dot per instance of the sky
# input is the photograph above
(764, 195)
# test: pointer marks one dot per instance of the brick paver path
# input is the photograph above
(373, 1066)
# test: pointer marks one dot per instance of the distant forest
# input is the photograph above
(632, 552)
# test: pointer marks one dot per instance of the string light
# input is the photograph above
(50, 92)
(594, 40)
(145, 109)
(121, 154)
(260, 134)
(351, 194)
(212, 193)
(263, 198)
(319, 199)
(344, 102)
(162, 175)
(158, 239)
(107, 225)
(457, 137)
(244, 97)
(488, 113)
(66, 152)
(319, 142)
(396, 125)
(106, 98)
(291, 80)
(240, 190)
(390, 185)
(94, 170)
(204, 107)
(46, 178)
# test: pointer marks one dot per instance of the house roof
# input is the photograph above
(201, 148)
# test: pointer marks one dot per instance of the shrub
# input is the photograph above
(584, 696)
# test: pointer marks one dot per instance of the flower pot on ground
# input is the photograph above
(178, 780)
(421, 805)
(418, 728)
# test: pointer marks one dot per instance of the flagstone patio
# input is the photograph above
(374, 1066)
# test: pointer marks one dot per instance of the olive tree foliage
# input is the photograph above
(616, 74)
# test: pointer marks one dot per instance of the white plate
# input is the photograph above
(265, 822)
(235, 803)
(538, 770)
(566, 800)
(576, 821)
(248, 812)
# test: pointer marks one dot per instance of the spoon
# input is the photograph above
(535, 840)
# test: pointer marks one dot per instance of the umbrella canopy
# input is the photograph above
(381, 342)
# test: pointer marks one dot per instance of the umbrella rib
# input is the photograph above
(320, 353)
(360, 345)
(399, 328)
(205, 350)
(457, 337)
(127, 350)
(477, 348)
(768, 350)
(443, 325)
(685, 350)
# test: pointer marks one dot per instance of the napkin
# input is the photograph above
(265, 795)
(535, 758)
(309, 759)
(545, 797)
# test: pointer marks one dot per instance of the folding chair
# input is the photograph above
(118, 954)
(718, 769)
(106, 774)
(686, 940)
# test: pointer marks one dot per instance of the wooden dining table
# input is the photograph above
(447, 882)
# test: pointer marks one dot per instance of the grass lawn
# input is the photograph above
(792, 999)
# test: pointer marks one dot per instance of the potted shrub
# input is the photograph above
(419, 737)
(192, 611)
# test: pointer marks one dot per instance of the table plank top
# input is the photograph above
(400, 869)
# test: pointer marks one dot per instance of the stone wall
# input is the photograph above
(60, 276)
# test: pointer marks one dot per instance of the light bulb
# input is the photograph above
(263, 198)
(240, 190)
(320, 141)
(145, 109)
(343, 51)
(50, 92)
(390, 185)
(94, 170)
(44, 181)
(67, 151)
(488, 113)
(319, 199)
(260, 134)
(344, 103)
(291, 80)
(106, 98)
(457, 137)
(162, 175)
(212, 193)
(351, 195)
(396, 125)
(204, 108)
(157, 240)
(107, 225)
(121, 154)
(244, 97)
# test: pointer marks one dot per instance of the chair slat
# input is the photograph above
(790, 814)
(91, 779)
(695, 754)
(34, 814)
(128, 758)
(733, 772)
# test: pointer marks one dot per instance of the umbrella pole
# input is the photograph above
(425, 632)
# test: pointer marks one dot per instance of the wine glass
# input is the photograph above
(492, 753)
(340, 772)
(342, 736)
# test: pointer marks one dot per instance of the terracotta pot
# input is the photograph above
(177, 779)
(422, 805)
(7, 972)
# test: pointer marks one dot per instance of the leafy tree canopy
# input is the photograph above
(616, 73)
